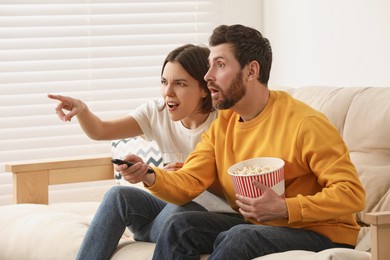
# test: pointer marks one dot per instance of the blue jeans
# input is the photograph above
(188, 231)
(126, 206)
(187, 235)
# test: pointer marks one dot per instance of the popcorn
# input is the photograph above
(250, 170)
(267, 170)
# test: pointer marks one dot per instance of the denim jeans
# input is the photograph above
(187, 235)
(126, 206)
(186, 232)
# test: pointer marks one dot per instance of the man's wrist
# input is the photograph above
(149, 177)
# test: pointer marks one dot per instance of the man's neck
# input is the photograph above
(253, 103)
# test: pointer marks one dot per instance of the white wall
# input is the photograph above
(245, 12)
(321, 42)
(328, 42)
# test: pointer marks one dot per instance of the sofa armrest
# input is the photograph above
(31, 179)
(380, 234)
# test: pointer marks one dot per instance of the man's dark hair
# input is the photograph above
(248, 45)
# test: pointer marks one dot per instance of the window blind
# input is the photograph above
(107, 53)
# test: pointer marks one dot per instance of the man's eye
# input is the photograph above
(220, 65)
(163, 82)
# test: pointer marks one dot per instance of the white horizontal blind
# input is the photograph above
(106, 52)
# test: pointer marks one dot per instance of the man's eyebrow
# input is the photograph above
(218, 57)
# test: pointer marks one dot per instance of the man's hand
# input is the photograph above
(137, 172)
(267, 207)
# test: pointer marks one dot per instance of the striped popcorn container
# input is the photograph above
(267, 170)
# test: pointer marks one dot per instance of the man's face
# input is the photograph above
(224, 77)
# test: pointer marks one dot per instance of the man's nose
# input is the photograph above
(208, 76)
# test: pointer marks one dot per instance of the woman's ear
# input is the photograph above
(204, 93)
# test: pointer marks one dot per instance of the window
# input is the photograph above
(107, 53)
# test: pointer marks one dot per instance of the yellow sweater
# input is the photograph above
(322, 187)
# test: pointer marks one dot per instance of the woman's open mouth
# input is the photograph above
(172, 105)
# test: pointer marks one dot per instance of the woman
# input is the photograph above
(182, 116)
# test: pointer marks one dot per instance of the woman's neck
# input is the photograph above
(194, 121)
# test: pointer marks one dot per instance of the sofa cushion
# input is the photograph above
(367, 134)
(40, 232)
(329, 254)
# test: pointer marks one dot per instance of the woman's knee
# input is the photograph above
(121, 193)
(113, 192)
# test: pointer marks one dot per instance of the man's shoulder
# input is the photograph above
(226, 114)
(292, 104)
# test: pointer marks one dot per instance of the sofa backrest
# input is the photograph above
(362, 116)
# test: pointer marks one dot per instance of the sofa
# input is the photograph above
(32, 229)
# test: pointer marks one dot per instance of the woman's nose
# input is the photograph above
(169, 90)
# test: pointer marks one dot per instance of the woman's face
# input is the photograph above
(181, 92)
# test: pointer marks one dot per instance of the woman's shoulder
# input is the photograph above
(153, 106)
(157, 103)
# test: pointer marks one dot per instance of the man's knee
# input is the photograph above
(237, 237)
(231, 236)
(178, 218)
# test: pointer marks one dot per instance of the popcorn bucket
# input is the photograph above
(267, 170)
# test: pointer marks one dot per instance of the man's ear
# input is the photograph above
(253, 70)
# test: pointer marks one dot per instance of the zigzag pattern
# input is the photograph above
(155, 162)
(118, 142)
(148, 151)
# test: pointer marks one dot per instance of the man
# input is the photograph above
(322, 189)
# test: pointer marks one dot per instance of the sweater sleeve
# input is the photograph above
(327, 156)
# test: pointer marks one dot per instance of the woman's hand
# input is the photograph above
(173, 166)
(74, 106)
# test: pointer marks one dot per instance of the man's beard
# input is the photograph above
(232, 95)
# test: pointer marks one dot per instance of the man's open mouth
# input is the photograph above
(213, 90)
